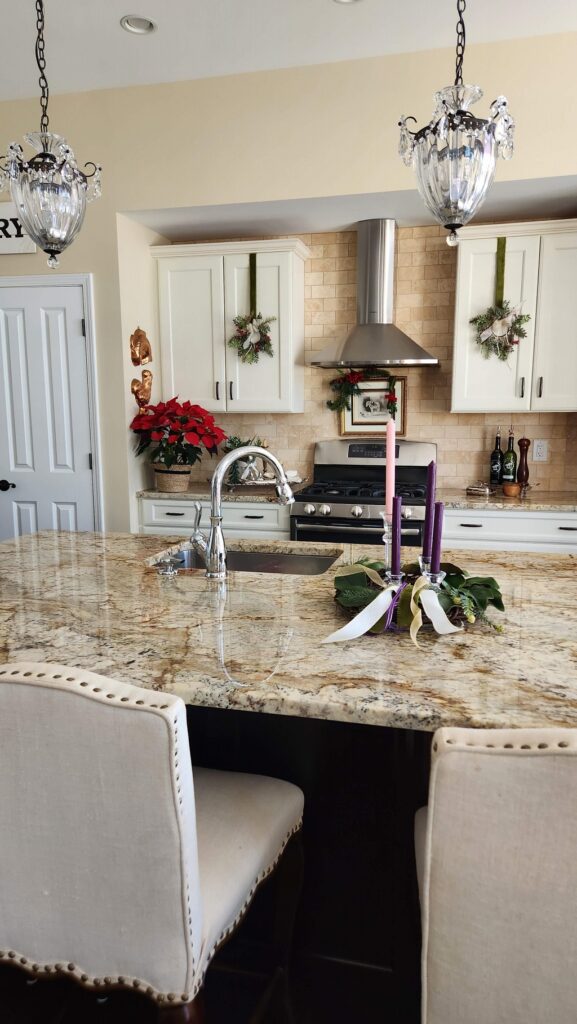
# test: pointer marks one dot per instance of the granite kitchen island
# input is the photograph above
(94, 601)
(349, 723)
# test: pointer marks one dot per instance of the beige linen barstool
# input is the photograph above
(497, 864)
(118, 868)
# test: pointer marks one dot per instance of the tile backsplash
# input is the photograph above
(424, 305)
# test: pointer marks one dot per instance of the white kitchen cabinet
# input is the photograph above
(201, 289)
(555, 362)
(240, 519)
(495, 530)
(540, 375)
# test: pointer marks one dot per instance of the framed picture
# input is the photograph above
(369, 414)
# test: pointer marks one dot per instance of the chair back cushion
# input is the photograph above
(499, 901)
(98, 857)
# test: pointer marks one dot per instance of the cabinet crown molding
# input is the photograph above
(294, 245)
(527, 227)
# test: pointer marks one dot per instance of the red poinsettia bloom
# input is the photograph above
(178, 430)
(354, 376)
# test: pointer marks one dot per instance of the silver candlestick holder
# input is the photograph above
(435, 578)
(387, 539)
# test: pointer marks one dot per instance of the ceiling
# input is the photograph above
(87, 49)
(538, 199)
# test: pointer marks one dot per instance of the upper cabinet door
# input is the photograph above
(269, 384)
(489, 385)
(555, 365)
(191, 303)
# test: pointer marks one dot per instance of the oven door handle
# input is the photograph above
(357, 527)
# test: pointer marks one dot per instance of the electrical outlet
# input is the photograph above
(541, 450)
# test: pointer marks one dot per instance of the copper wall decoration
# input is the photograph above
(141, 389)
(140, 348)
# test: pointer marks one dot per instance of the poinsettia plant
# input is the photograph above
(176, 432)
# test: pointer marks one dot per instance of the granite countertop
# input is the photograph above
(90, 600)
(201, 492)
(535, 501)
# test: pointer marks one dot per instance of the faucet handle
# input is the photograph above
(197, 517)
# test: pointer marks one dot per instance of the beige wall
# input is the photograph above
(324, 130)
(424, 303)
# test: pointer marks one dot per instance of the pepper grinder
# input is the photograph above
(523, 468)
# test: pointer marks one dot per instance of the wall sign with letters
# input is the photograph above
(12, 235)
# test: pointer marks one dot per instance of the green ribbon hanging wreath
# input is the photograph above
(252, 331)
(500, 327)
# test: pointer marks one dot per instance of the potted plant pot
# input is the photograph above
(175, 479)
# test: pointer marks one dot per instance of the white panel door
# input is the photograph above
(45, 440)
(265, 386)
(555, 364)
(489, 385)
(191, 291)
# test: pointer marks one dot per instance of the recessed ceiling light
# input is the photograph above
(139, 26)
(346, 1)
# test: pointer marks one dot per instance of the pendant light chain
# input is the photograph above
(41, 62)
(461, 6)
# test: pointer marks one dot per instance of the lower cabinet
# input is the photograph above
(490, 530)
(240, 519)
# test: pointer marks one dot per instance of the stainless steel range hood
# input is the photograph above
(375, 341)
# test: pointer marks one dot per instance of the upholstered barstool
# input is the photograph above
(497, 865)
(118, 867)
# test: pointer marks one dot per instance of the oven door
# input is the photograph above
(313, 528)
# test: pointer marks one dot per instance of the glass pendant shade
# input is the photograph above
(49, 190)
(454, 156)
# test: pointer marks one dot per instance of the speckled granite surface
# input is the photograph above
(260, 494)
(535, 501)
(90, 600)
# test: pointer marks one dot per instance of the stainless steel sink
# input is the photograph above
(293, 563)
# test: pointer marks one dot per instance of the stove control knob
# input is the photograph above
(357, 511)
(407, 513)
(309, 510)
(324, 510)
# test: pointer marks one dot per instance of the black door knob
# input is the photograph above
(5, 485)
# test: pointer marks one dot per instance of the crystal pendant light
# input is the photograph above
(454, 155)
(49, 190)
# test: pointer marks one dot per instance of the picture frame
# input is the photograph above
(369, 414)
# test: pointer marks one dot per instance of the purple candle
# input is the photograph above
(396, 537)
(437, 537)
(429, 509)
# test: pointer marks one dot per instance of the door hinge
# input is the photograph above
(90, 460)
(83, 327)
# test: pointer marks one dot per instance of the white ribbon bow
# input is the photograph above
(253, 334)
(500, 328)
(365, 619)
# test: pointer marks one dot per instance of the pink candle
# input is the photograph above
(390, 468)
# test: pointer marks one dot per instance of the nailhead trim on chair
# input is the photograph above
(121, 980)
(560, 745)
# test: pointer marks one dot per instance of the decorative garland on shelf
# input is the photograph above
(253, 330)
(500, 327)
(375, 606)
(346, 385)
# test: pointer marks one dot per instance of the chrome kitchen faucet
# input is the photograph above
(213, 548)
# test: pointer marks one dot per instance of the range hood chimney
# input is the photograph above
(375, 341)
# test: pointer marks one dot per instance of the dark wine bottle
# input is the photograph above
(510, 461)
(496, 473)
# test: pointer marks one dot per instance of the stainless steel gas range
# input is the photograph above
(346, 498)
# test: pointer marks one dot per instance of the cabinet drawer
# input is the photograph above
(523, 530)
(170, 513)
(237, 516)
(250, 517)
